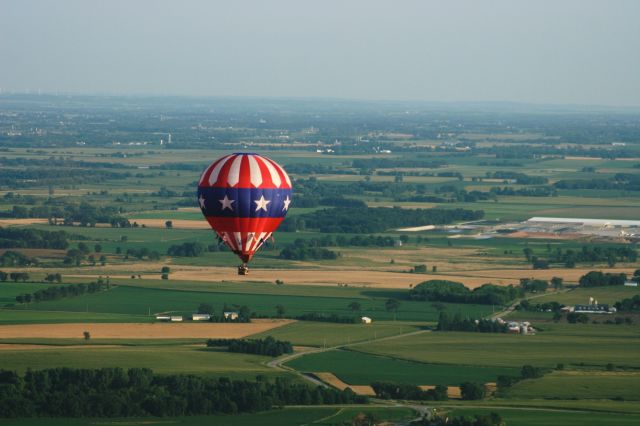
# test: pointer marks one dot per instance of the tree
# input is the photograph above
(472, 391)
(84, 248)
(165, 270)
(205, 308)
(528, 253)
(86, 335)
(355, 306)
(557, 283)
(280, 311)
(392, 305)
(97, 248)
(3, 276)
(103, 260)
(168, 224)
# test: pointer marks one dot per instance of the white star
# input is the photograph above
(262, 203)
(201, 200)
(287, 201)
(226, 203)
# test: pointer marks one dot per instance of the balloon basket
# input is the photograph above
(243, 270)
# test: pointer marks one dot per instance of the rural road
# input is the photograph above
(278, 362)
(512, 307)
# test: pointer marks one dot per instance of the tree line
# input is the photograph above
(267, 346)
(389, 390)
(137, 392)
(457, 323)
(601, 279)
(61, 292)
(455, 292)
(373, 220)
(33, 238)
(587, 254)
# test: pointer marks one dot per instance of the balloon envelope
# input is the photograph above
(244, 197)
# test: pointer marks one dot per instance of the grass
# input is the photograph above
(362, 369)
(11, 316)
(289, 416)
(561, 343)
(141, 301)
(610, 294)
(580, 385)
(542, 417)
(9, 291)
(306, 333)
(161, 359)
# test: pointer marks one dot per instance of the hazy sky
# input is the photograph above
(582, 51)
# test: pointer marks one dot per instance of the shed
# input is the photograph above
(366, 320)
(163, 318)
(200, 317)
(631, 284)
(176, 319)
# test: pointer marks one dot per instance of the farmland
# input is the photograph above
(144, 196)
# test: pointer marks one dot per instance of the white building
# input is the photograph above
(230, 315)
(176, 318)
(366, 320)
(200, 317)
(163, 318)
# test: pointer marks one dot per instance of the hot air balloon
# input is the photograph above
(244, 197)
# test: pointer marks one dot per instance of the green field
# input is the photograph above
(13, 316)
(610, 294)
(624, 385)
(141, 301)
(550, 417)
(362, 369)
(561, 343)
(292, 416)
(306, 333)
(163, 359)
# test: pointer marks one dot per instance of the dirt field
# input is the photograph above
(139, 331)
(22, 347)
(176, 223)
(334, 381)
(30, 221)
(368, 279)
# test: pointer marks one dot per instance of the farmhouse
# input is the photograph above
(366, 320)
(230, 315)
(200, 317)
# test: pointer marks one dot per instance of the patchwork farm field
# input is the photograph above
(306, 333)
(571, 344)
(290, 416)
(620, 385)
(356, 368)
(551, 417)
(142, 301)
(164, 359)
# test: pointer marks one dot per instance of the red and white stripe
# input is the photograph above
(245, 171)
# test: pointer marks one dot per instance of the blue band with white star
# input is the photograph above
(244, 202)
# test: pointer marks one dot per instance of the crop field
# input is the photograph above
(291, 416)
(609, 295)
(498, 169)
(307, 333)
(550, 417)
(164, 359)
(356, 368)
(140, 331)
(142, 301)
(622, 385)
(571, 344)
